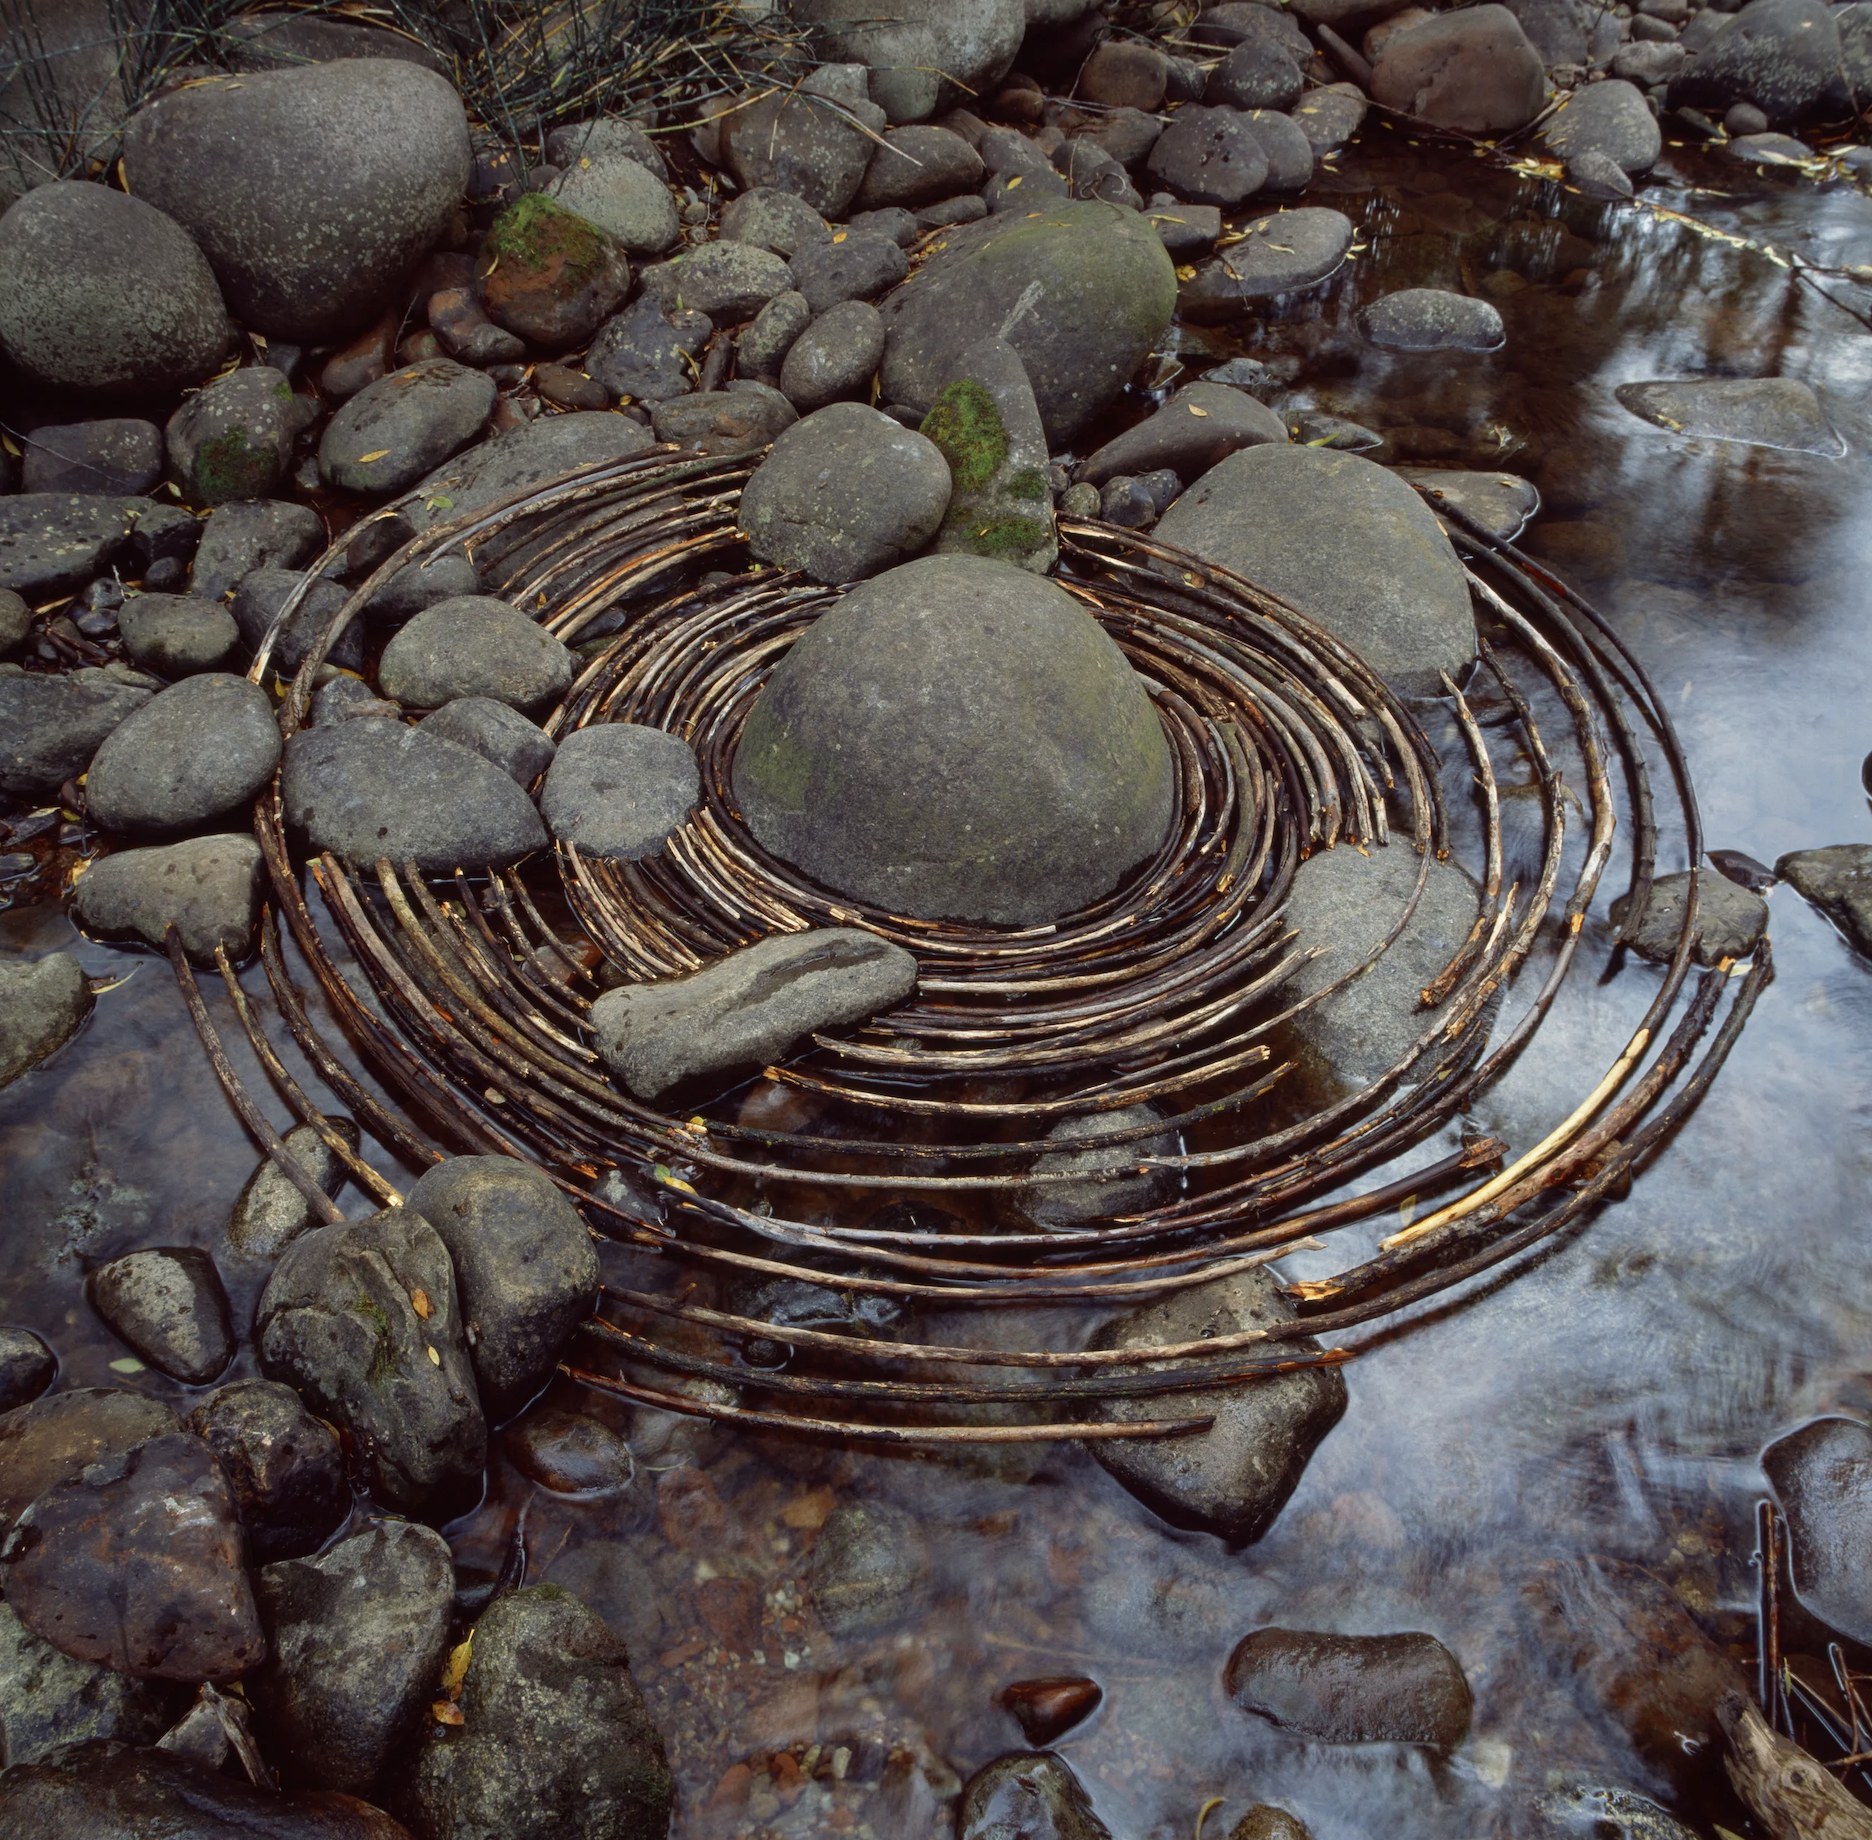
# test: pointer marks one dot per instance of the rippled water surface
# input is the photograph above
(1608, 1403)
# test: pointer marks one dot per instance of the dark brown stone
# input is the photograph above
(1048, 1709)
(53, 1439)
(1397, 1689)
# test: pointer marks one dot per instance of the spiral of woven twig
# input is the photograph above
(880, 1162)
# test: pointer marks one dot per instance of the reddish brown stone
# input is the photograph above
(363, 361)
(550, 276)
(1048, 1709)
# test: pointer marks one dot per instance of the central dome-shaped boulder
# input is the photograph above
(960, 740)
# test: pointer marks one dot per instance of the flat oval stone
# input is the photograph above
(474, 645)
(196, 752)
(620, 790)
(1431, 319)
(1339, 1689)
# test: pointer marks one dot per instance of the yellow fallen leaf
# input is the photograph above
(366, 459)
(455, 1669)
(435, 1360)
(1198, 410)
(1014, 182)
(447, 1713)
(1187, 272)
(419, 1302)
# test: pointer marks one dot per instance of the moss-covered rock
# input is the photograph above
(987, 425)
(549, 275)
(234, 439)
(1081, 291)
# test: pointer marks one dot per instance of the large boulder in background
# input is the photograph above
(1784, 56)
(1344, 542)
(958, 739)
(105, 294)
(813, 141)
(1473, 71)
(62, 93)
(919, 52)
(1081, 291)
(313, 191)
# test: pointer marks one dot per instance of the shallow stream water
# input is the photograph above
(1608, 1404)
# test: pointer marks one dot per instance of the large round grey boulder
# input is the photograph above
(1081, 291)
(919, 50)
(313, 191)
(1345, 542)
(193, 753)
(1784, 56)
(958, 739)
(106, 294)
(845, 493)
(1473, 71)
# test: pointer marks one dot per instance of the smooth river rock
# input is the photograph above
(208, 888)
(1778, 412)
(167, 1303)
(1431, 319)
(1343, 1689)
(1838, 881)
(1027, 1795)
(272, 1210)
(1028, 788)
(619, 790)
(43, 1001)
(474, 645)
(1822, 1477)
(285, 1466)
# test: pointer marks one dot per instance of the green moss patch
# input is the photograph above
(535, 232)
(229, 466)
(966, 425)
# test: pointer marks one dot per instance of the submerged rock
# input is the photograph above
(555, 1739)
(1822, 1477)
(747, 1010)
(358, 1638)
(1027, 1795)
(27, 1367)
(1757, 411)
(1082, 292)
(1339, 1689)
(526, 1271)
(1838, 881)
(284, 1466)
(168, 1304)
(1608, 1814)
(42, 1003)
(619, 790)
(1502, 503)
(869, 1568)
(341, 1321)
(1048, 1709)
(1235, 1478)
(1344, 542)
(1112, 1183)
(1036, 780)
(1266, 1822)
(135, 1563)
(569, 1453)
(272, 1210)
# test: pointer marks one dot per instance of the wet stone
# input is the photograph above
(1822, 1477)
(42, 1003)
(860, 267)
(526, 1271)
(1784, 56)
(357, 1638)
(135, 1563)
(1502, 503)
(1329, 117)
(1611, 119)
(569, 1453)
(1730, 921)
(466, 333)
(283, 1465)
(1431, 319)
(49, 1699)
(362, 1319)
(1266, 1822)
(176, 635)
(208, 888)
(1235, 1478)
(1759, 411)
(1344, 1689)
(1186, 228)
(747, 1010)
(555, 1737)
(1838, 881)
(473, 645)
(194, 753)
(27, 1366)
(272, 1210)
(370, 789)
(168, 1304)
(1126, 1189)
(1047, 1709)
(1591, 1812)
(118, 458)
(1027, 1795)
(1257, 74)
(1278, 254)
(521, 749)
(619, 790)
(1201, 425)
(869, 1568)
(56, 1438)
(644, 354)
(104, 1791)
(51, 726)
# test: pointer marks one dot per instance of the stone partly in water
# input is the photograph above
(1199, 427)
(844, 493)
(49, 1700)
(474, 645)
(284, 1466)
(1822, 1477)
(1028, 786)
(1081, 291)
(371, 789)
(1589, 1812)
(747, 1010)
(375, 158)
(51, 726)
(1344, 542)
(986, 425)
(56, 1439)
(1235, 1478)
(1266, 1822)
(1431, 319)
(194, 753)
(1047, 1709)
(1110, 1180)
(619, 790)
(167, 1303)
(135, 1563)
(526, 1271)
(27, 1367)
(1340, 1689)
(870, 1568)
(554, 1740)
(272, 1210)
(1837, 880)
(207, 888)
(1028, 1795)
(1502, 503)
(358, 1635)
(107, 1789)
(1278, 254)
(569, 1453)
(42, 1003)
(341, 1320)
(1611, 119)
(1730, 920)
(1757, 411)
(103, 293)
(1473, 71)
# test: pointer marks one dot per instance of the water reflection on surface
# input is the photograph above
(1609, 1403)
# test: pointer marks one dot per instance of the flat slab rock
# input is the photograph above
(1757, 411)
(1278, 254)
(1340, 1689)
(1730, 920)
(747, 1010)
